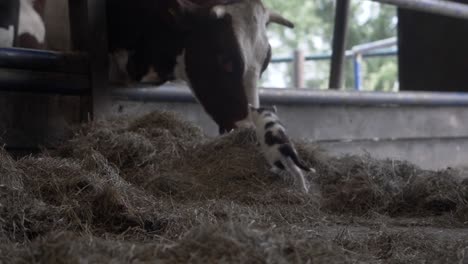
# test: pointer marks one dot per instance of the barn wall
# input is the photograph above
(30, 121)
(433, 53)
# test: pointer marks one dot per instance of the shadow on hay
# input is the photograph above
(61, 194)
(230, 243)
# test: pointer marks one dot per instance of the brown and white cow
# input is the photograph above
(220, 48)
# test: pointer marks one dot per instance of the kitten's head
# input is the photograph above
(263, 114)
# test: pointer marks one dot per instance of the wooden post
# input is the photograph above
(77, 10)
(299, 69)
(89, 33)
(98, 57)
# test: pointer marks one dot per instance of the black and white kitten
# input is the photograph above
(276, 146)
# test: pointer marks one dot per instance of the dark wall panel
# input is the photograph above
(433, 52)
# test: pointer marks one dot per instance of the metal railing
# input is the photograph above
(440, 7)
(357, 53)
(359, 50)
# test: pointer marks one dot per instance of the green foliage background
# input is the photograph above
(369, 22)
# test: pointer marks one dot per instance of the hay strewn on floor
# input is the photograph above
(155, 188)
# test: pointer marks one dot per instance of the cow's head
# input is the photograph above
(225, 50)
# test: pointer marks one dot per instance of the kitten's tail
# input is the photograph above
(299, 163)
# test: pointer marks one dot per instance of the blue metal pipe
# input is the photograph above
(41, 60)
(357, 71)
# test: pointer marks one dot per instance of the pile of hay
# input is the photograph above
(155, 188)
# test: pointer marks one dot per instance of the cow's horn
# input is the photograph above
(279, 19)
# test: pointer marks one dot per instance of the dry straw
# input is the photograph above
(155, 188)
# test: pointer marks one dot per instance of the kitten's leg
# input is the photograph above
(293, 169)
(277, 168)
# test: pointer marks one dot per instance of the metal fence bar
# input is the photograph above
(375, 45)
(361, 49)
(339, 44)
(387, 53)
(291, 96)
(27, 59)
(349, 54)
(52, 83)
(441, 7)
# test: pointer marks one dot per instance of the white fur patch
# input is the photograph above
(30, 22)
(151, 76)
(249, 20)
(180, 71)
(118, 66)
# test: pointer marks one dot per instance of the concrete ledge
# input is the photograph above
(430, 131)
(429, 153)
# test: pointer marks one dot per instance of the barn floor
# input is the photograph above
(155, 188)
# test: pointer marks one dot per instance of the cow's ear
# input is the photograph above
(178, 13)
(274, 17)
(186, 7)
